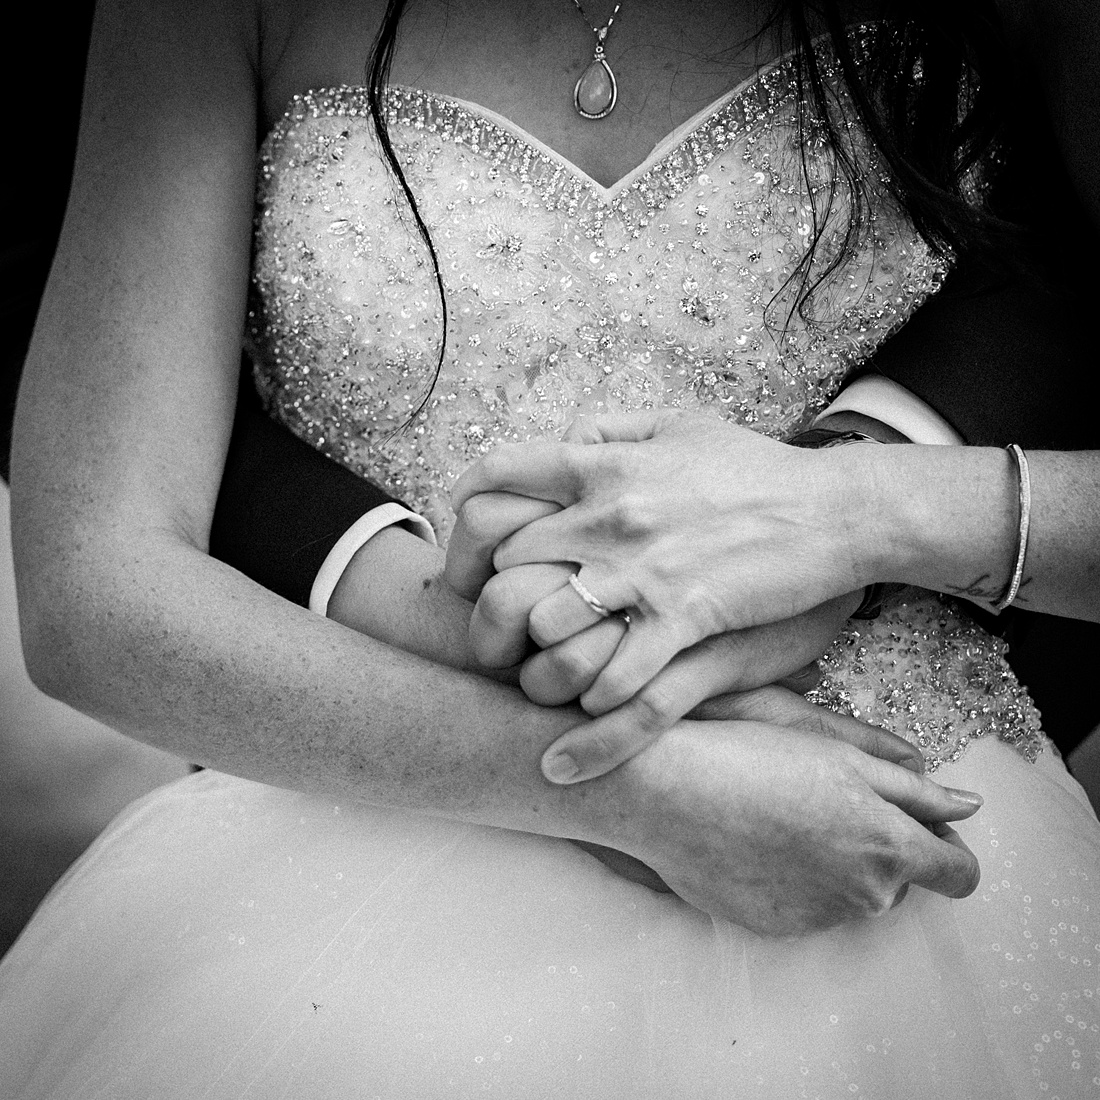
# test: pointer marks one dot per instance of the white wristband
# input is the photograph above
(881, 398)
(355, 537)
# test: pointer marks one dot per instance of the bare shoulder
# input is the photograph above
(155, 67)
(309, 44)
(174, 36)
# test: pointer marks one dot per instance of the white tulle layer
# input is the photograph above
(227, 940)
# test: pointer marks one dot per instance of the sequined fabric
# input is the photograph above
(675, 287)
(924, 670)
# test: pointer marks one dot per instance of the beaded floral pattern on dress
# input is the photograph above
(672, 288)
(924, 670)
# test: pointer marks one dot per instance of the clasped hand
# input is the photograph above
(699, 527)
(774, 812)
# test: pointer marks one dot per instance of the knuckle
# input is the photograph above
(654, 709)
(630, 516)
(617, 683)
(878, 896)
(572, 664)
(884, 874)
(578, 467)
(582, 429)
(541, 624)
(698, 609)
(478, 516)
(879, 902)
(497, 602)
(498, 462)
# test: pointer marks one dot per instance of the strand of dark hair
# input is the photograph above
(934, 95)
(933, 92)
(377, 79)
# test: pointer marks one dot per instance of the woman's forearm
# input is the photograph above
(189, 654)
(184, 653)
(947, 518)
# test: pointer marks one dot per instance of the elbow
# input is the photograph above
(67, 647)
(49, 655)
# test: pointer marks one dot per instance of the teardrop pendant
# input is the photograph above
(596, 91)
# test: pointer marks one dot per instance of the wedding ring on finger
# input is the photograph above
(596, 605)
(579, 588)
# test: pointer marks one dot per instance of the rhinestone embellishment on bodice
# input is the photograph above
(563, 297)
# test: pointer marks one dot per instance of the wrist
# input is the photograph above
(612, 810)
(940, 518)
(846, 492)
(631, 807)
(393, 590)
(353, 540)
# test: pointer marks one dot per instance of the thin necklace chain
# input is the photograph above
(605, 29)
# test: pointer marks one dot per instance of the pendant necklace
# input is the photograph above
(596, 92)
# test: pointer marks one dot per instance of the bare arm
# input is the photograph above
(120, 439)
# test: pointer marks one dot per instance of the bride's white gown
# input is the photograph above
(226, 939)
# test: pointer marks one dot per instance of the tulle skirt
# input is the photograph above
(226, 939)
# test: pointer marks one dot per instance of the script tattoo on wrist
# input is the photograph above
(980, 588)
(983, 588)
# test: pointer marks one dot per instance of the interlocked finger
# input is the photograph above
(575, 606)
(918, 796)
(933, 854)
(561, 673)
(483, 522)
(498, 625)
(548, 471)
(785, 707)
(645, 650)
(594, 749)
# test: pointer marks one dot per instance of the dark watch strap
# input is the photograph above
(819, 439)
(871, 604)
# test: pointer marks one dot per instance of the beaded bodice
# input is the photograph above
(672, 287)
(678, 286)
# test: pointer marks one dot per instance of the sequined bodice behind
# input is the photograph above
(674, 287)
(562, 296)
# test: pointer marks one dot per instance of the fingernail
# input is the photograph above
(559, 767)
(969, 797)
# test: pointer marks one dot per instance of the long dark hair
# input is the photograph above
(933, 91)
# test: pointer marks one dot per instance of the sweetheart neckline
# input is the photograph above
(666, 146)
(664, 149)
